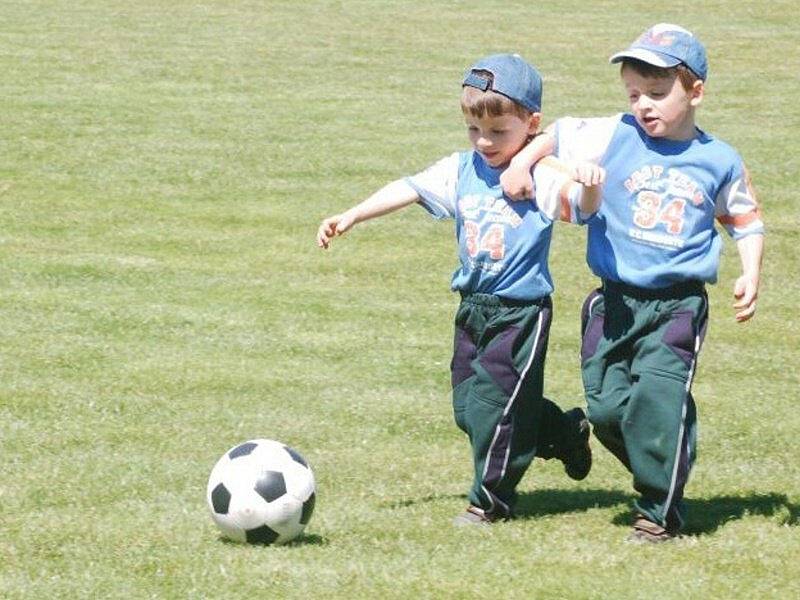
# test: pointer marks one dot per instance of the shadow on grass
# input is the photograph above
(704, 515)
(405, 502)
(303, 540)
(539, 503)
(709, 514)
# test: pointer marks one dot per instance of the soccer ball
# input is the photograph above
(261, 492)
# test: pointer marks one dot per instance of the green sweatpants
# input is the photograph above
(497, 376)
(638, 357)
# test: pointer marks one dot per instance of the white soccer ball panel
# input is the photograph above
(299, 480)
(283, 512)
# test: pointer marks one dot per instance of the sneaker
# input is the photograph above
(472, 516)
(577, 458)
(647, 532)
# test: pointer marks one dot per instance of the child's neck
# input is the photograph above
(686, 132)
(684, 135)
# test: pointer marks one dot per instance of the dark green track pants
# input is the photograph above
(497, 376)
(638, 358)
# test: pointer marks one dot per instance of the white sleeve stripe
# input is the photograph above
(735, 199)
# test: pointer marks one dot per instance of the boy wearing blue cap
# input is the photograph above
(503, 319)
(654, 246)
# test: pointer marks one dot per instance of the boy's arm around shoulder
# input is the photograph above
(571, 139)
(516, 180)
(389, 198)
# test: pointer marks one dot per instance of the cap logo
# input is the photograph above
(657, 39)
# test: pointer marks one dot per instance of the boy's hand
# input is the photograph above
(333, 226)
(517, 182)
(589, 174)
(592, 177)
(745, 290)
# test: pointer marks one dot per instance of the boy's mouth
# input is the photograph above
(491, 156)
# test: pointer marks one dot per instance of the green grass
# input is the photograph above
(163, 173)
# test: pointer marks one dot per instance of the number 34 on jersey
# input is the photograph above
(491, 242)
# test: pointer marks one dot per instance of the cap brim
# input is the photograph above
(652, 58)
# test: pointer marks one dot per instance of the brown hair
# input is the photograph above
(478, 102)
(684, 74)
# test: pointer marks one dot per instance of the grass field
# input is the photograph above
(161, 298)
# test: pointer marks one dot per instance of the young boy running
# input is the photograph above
(654, 246)
(503, 320)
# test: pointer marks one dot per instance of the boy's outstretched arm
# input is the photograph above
(516, 179)
(389, 198)
(745, 290)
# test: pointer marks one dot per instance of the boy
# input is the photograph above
(654, 246)
(502, 322)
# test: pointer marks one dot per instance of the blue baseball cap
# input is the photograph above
(667, 45)
(511, 76)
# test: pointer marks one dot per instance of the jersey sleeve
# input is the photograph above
(436, 187)
(579, 140)
(557, 194)
(736, 207)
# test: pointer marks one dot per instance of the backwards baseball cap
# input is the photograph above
(667, 45)
(511, 76)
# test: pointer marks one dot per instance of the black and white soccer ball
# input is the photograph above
(261, 492)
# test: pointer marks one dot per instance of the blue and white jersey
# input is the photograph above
(503, 245)
(655, 225)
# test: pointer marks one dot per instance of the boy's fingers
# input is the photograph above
(325, 232)
(744, 315)
(743, 298)
(526, 193)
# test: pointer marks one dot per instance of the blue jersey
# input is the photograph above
(655, 226)
(502, 245)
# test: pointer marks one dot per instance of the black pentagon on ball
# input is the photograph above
(308, 508)
(296, 457)
(270, 485)
(242, 450)
(220, 499)
(261, 535)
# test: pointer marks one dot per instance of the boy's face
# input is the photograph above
(498, 139)
(662, 106)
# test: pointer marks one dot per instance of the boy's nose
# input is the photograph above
(643, 102)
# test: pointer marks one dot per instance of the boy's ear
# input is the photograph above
(697, 92)
(533, 123)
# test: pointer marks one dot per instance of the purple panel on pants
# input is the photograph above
(498, 360)
(591, 328)
(679, 336)
(497, 458)
(463, 354)
(591, 336)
